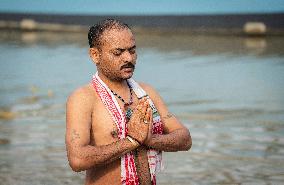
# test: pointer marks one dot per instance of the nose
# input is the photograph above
(129, 57)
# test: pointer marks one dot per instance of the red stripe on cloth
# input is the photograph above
(104, 95)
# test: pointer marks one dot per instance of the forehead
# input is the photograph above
(117, 38)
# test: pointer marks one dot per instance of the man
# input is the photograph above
(116, 128)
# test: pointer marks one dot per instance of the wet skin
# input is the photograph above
(89, 127)
(102, 127)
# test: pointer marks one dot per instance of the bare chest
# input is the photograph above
(104, 130)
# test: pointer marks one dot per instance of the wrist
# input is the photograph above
(152, 141)
(133, 141)
(135, 138)
(147, 143)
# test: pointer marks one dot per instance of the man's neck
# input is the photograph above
(113, 84)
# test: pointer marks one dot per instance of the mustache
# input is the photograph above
(128, 65)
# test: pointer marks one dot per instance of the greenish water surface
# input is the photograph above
(228, 90)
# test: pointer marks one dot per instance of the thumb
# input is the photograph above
(151, 122)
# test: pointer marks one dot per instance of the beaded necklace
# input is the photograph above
(126, 105)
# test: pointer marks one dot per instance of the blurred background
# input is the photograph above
(218, 64)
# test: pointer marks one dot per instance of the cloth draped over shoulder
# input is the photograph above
(128, 168)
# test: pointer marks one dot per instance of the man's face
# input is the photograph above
(117, 55)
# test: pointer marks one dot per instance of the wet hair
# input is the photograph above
(96, 31)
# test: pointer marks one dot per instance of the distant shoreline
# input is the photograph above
(263, 24)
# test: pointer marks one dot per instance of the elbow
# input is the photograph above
(187, 142)
(76, 164)
(186, 145)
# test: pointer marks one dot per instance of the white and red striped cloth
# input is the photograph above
(128, 169)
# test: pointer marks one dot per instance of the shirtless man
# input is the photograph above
(93, 140)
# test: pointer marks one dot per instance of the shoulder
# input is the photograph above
(156, 98)
(150, 90)
(83, 95)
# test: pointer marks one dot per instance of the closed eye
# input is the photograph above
(118, 52)
(132, 50)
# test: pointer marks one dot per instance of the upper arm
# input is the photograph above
(78, 119)
(170, 122)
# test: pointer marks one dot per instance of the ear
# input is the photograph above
(95, 55)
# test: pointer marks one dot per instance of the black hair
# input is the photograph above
(96, 31)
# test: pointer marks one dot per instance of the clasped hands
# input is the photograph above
(140, 123)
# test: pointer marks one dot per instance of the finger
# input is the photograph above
(144, 109)
(151, 116)
(139, 107)
(148, 115)
(143, 100)
(140, 102)
(150, 121)
(150, 127)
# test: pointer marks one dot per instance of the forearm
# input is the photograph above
(85, 157)
(178, 140)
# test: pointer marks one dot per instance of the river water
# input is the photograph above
(228, 90)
